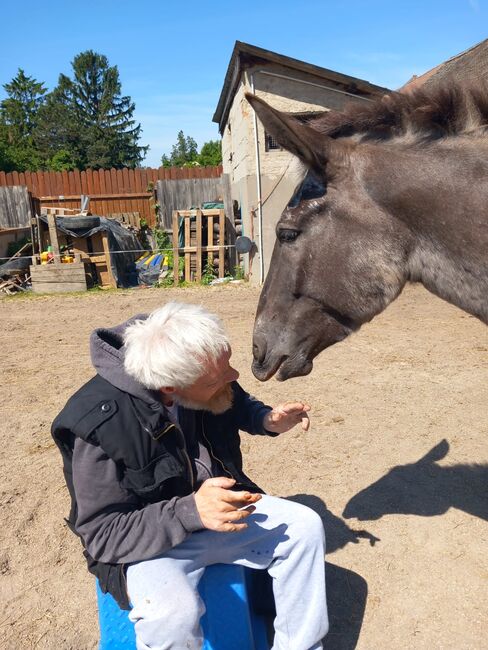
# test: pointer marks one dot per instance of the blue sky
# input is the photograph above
(172, 56)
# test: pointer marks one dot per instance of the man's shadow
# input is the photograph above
(424, 488)
(346, 591)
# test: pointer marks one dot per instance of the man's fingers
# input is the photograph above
(231, 528)
(244, 498)
(305, 423)
(294, 407)
(237, 515)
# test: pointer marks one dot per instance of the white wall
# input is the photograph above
(298, 92)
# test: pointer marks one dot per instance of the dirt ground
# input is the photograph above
(406, 570)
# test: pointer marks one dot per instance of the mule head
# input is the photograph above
(417, 488)
(337, 260)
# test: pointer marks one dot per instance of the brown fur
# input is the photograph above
(395, 191)
(446, 111)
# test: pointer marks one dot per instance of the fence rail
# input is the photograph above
(110, 190)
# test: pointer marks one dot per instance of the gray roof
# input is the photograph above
(245, 55)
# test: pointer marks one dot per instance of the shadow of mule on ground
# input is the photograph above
(424, 488)
(347, 591)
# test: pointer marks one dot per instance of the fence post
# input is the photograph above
(199, 246)
(175, 248)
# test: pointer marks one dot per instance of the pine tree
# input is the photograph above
(18, 119)
(89, 120)
(183, 154)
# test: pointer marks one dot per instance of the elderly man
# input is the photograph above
(152, 461)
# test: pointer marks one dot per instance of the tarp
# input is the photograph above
(149, 267)
(119, 239)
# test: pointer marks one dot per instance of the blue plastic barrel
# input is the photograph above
(228, 623)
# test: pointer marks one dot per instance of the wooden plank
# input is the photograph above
(65, 178)
(106, 250)
(77, 179)
(83, 184)
(198, 276)
(230, 222)
(60, 287)
(71, 184)
(53, 236)
(175, 248)
(96, 182)
(108, 189)
(187, 254)
(221, 243)
(51, 273)
(210, 237)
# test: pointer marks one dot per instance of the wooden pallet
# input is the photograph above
(131, 219)
(195, 253)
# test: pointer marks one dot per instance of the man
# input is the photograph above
(152, 460)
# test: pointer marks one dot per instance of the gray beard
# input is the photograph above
(216, 405)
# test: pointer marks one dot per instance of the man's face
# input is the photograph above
(212, 391)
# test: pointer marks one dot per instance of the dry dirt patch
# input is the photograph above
(411, 572)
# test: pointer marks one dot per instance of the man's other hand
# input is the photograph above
(285, 416)
(220, 508)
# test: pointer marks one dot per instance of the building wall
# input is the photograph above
(291, 91)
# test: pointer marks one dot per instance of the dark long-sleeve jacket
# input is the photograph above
(131, 471)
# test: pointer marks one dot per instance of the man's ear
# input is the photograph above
(168, 390)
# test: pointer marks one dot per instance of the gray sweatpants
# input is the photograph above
(283, 537)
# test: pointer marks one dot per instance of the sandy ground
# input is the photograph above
(406, 569)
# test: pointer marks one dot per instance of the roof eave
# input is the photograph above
(234, 70)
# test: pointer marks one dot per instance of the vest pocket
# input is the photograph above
(149, 482)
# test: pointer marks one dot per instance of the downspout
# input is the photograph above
(258, 187)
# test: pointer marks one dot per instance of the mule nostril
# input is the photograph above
(259, 348)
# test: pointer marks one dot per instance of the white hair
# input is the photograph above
(171, 347)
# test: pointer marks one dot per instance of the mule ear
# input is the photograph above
(438, 452)
(312, 147)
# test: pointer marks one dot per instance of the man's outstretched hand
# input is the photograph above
(219, 507)
(285, 416)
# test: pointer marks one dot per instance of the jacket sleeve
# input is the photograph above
(250, 412)
(110, 520)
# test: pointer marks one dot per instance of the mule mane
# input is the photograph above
(426, 114)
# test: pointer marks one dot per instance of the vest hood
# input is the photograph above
(107, 355)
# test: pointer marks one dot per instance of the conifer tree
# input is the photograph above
(18, 119)
(88, 120)
(183, 154)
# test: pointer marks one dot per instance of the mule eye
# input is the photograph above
(287, 235)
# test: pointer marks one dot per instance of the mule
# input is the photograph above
(393, 192)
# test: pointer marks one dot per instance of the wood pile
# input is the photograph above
(14, 280)
(15, 284)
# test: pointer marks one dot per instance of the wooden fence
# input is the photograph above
(110, 190)
(184, 194)
(15, 208)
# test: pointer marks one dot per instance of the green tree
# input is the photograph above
(210, 154)
(57, 135)
(184, 153)
(88, 119)
(18, 120)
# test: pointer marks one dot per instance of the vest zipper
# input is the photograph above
(212, 452)
(186, 456)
